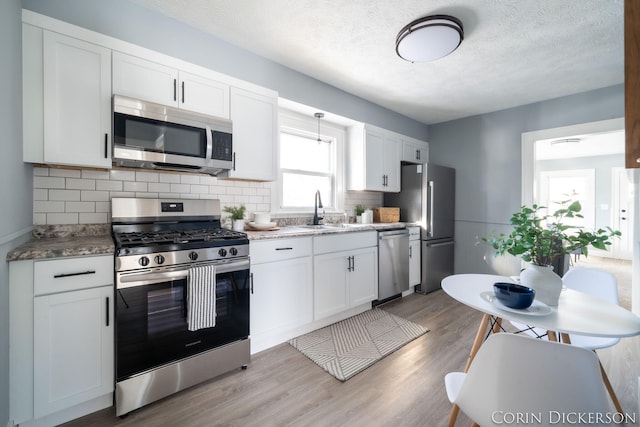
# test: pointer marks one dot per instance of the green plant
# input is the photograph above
(236, 212)
(360, 209)
(540, 239)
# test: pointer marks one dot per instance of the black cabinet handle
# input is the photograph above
(417, 154)
(183, 92)
(251, 277)
(106, 146)
(233, 166)
(284, 249)
(107, 304)
(175, 90)
(60, 276)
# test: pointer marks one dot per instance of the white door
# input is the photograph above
(204, 95)
(330, 290)
(77, 102)
(146, 80)
(374, 158)
(363, 278)
(622, 214)
(391, 156)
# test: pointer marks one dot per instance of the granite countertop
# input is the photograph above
(301, 230)
(65, 241)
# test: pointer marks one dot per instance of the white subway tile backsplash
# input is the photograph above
(40, 194)
(103, 207)
(80, 207)
(199, 189)
(93, 218)
(93, 174)
(135, 186)
(147, 176)
(159, 187)
(66, 195)
(45, 206)
(109, 185)
(40, 219)
(48, 182)
(67, 173)
(122, 175)
(95, 196)
(145, 195)
(180, 188)
(189, 179)
(62, 218)
(80, 184)
(172, 178)
(40, 171)
(208, 180)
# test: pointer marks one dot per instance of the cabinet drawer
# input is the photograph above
(344, 241)
(414, 233)
(69, 274)
(279, 249)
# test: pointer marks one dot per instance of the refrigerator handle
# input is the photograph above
(431, 198)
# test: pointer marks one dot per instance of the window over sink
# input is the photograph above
(307, 165)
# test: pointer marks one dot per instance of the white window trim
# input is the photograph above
(300, 123)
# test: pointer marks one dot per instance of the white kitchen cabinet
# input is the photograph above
(373, 159)
(281, 290)
(255, 134)
(150, 81)
(345, 272)
(73, 348)
(414, 256)
(68, 121)
(414, 151)
(61, 338)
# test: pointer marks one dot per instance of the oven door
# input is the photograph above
(151, 316)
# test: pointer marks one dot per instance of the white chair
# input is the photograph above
(513, 375)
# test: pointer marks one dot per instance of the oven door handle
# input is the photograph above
(151, 276)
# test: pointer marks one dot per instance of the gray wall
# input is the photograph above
(15, 176)
(132, 23)
(485, 150)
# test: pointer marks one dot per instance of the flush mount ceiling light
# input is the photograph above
(429, 38)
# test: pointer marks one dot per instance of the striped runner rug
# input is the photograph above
(350, 346)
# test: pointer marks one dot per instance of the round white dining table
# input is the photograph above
(576, 313)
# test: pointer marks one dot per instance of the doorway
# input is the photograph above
(588, 158)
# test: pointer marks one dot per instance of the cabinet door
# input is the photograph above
(255, 132)
(77, 102)
(374, 161)
(391, 156)
(204, 95)
(73, 348)
(363, 278)
(281, 297)
(414, 262)
(414, 151)
(149, 81)
(330, 293)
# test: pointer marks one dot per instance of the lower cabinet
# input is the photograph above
(347, 277)
(281, 290)
(61, 339)
(344, 280)
(73, 348)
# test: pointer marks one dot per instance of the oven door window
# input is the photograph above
(152, 325)
(161, 137)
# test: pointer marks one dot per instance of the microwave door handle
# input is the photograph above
(209, 150)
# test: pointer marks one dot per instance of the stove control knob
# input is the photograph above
(222, 252)
(193, 256)
(144, 261)
(233, 251)
(159, 259)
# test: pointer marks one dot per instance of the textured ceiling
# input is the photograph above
(515, 52)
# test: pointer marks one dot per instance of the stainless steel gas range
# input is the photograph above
(182, 297)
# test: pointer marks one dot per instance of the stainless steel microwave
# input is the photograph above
(154, 136)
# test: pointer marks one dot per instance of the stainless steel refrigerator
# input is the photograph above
(427, 198)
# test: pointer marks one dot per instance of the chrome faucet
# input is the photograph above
(317, 203)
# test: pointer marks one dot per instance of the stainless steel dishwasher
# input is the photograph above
(393, 263)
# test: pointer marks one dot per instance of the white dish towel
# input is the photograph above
(201, 297)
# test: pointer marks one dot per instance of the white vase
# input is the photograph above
(544, 281)
(238, 224)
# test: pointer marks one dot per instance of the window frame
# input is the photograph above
(300, 124)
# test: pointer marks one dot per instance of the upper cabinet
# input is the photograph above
(414, 151)
(632, 82)
(373, 159)
(139, 78)
(255, 134)
(67, 100)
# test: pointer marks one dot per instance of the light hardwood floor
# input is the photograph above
(282, 387)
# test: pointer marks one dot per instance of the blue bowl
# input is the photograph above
(514, 296)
